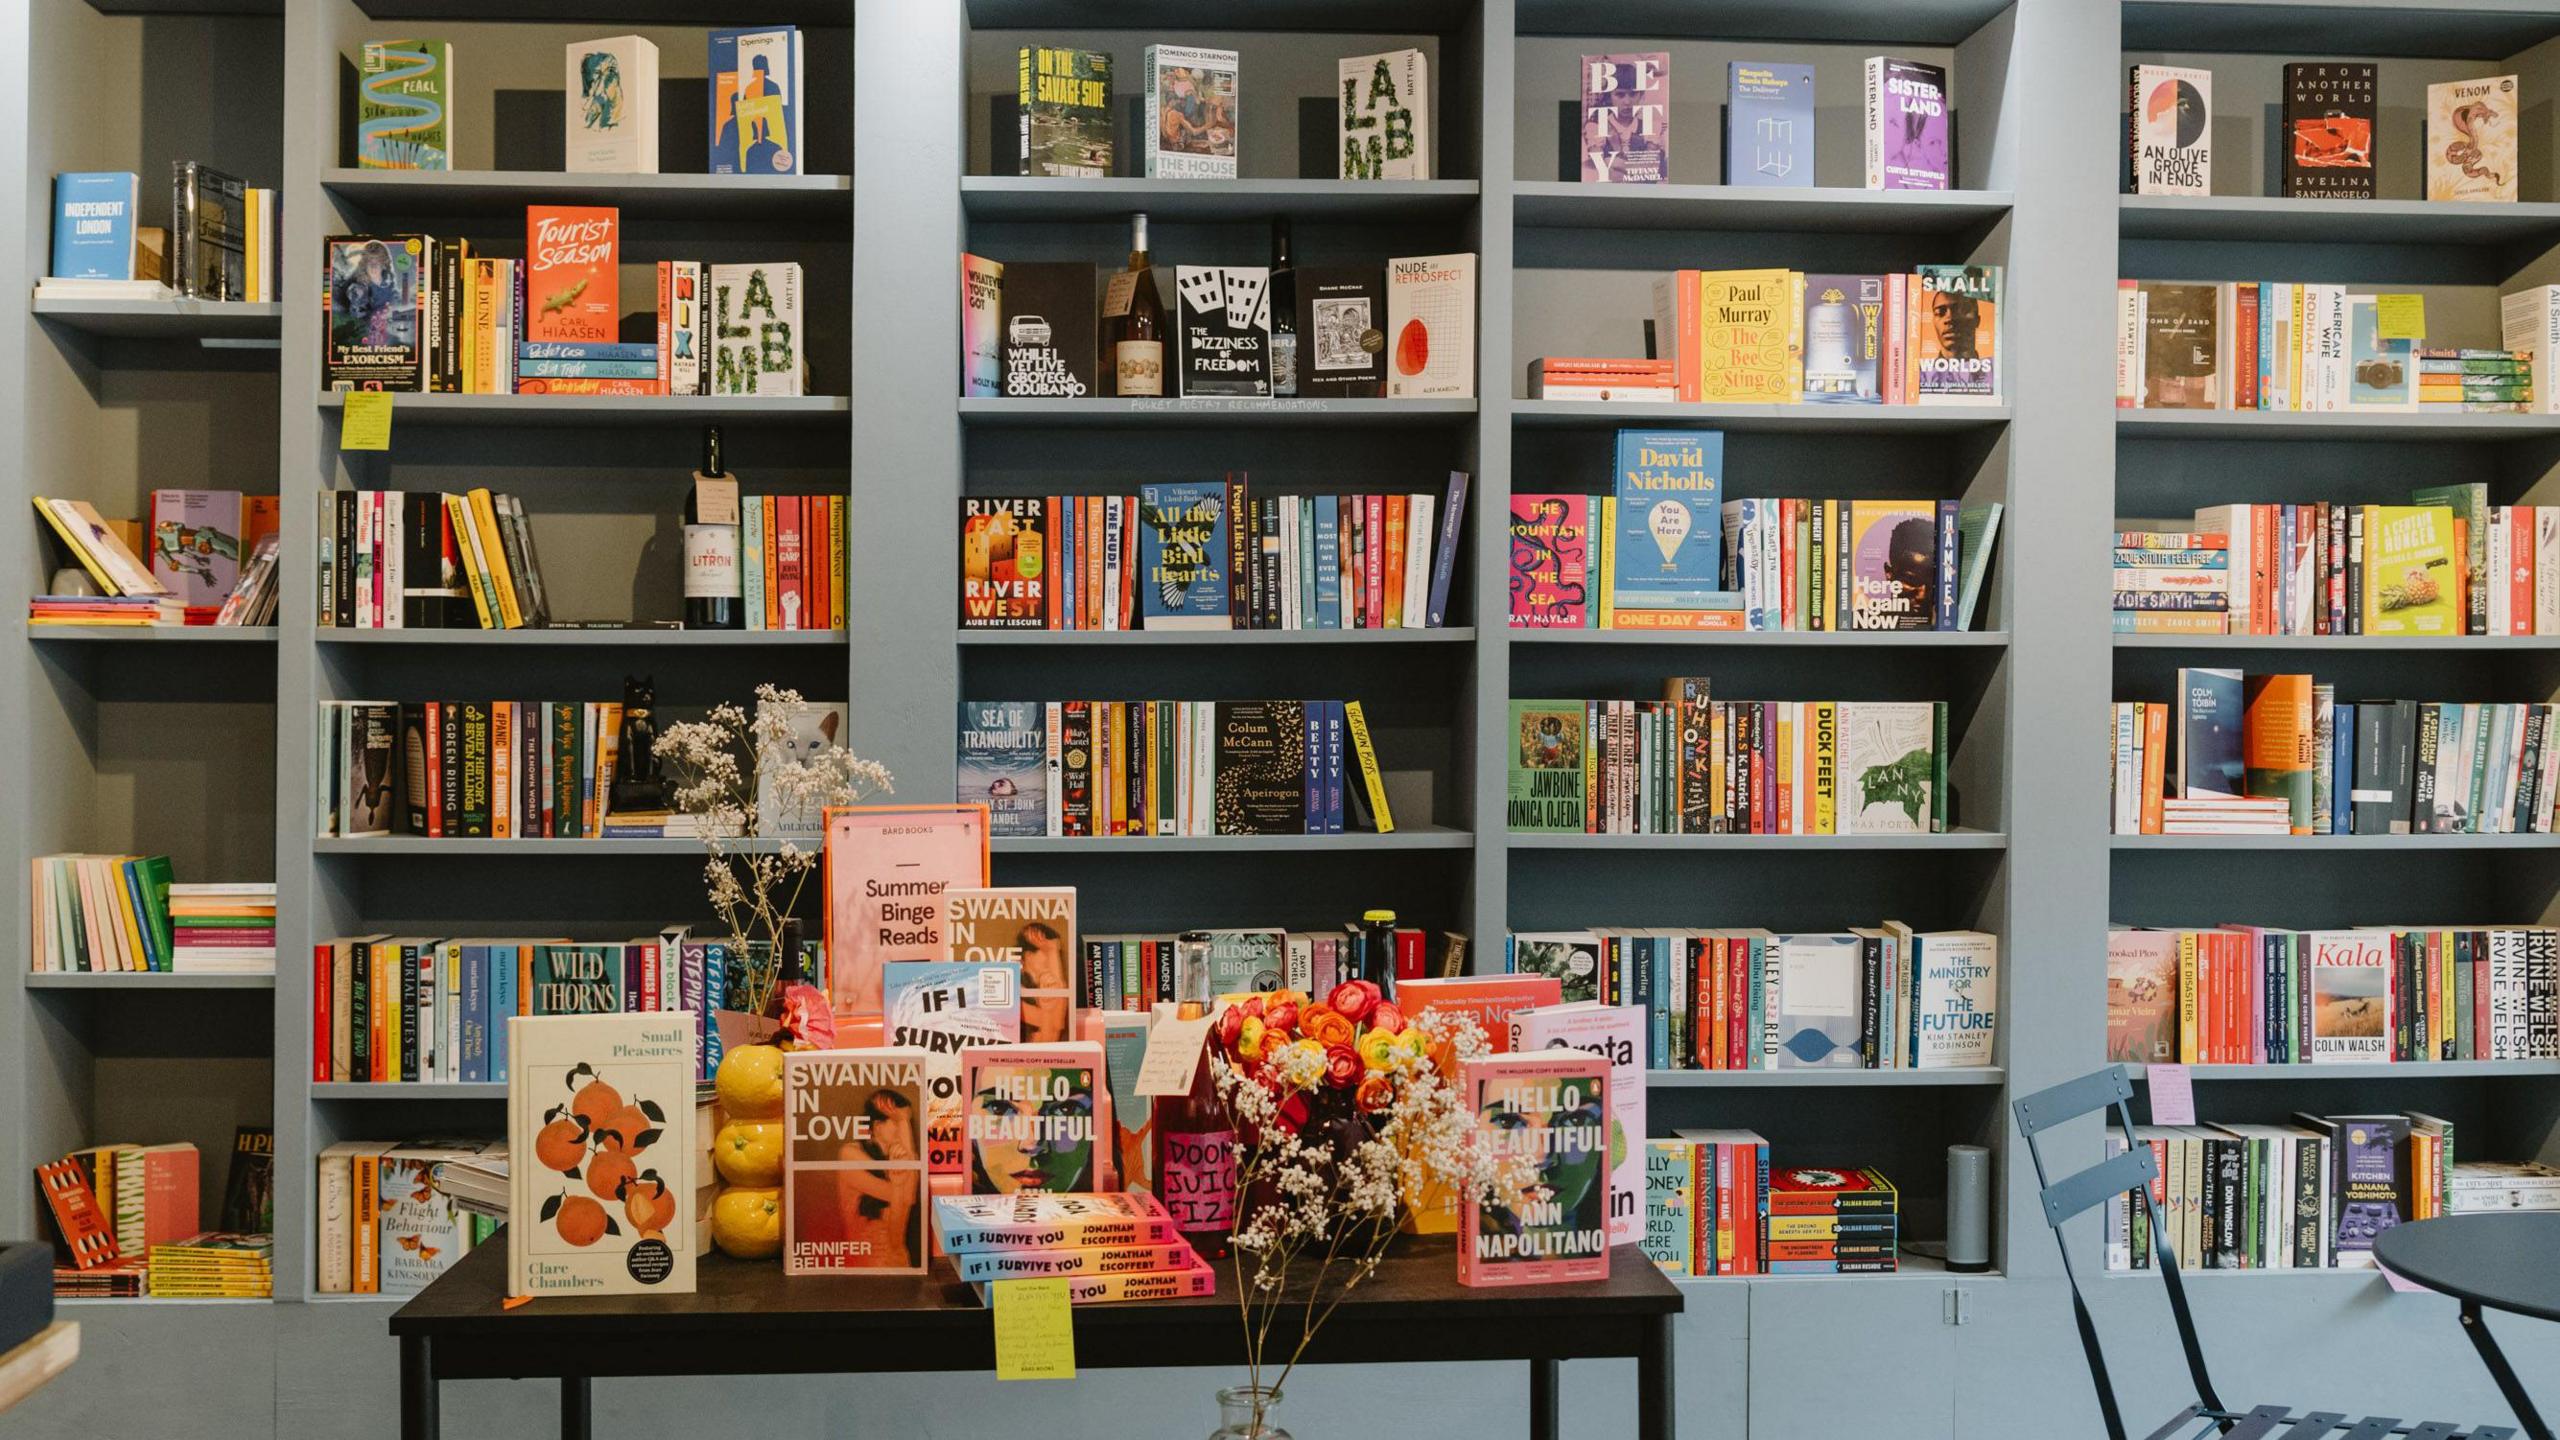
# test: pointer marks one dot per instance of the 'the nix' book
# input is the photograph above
(2172, 130)
(1037, 1117)
(1626, 118)
(1908, 130)
(1551, 1110)
(2471, 139)
(600, 1120)
(1031, 926)
(1768, 123)
(1384, 124)
(853, 1165)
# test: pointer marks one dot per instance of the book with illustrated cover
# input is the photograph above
(1551, 1107)
(376, 340)
(1005, 563)
(2142, 996)
(1047, 346)
(1749, 346)
(1182, 556)
(1063, 103)
(1431, 319)
(1224, 329)
(1768, 124)
(2181, 346)
(2172, 130)
(944, 1008)
(1192, 102)
(2278, 744)
(2349, 973)
(1342, 331)
(2371, 1184)
(1545, 792)
(1955, 999)
(2412, 578)
(1571, 956)
(1261, 750)
(1037, 1117)
(1003, 764)
(886, 869)
(404, 105)
(1820, 998)
(1909, 139)
(601, 1120)
(1667, 552)
(2471, 139)
(1384, 123)
(249, 1190)
(1892, 565)
(1029, 1221)
(1959, 351)
(1616, 1033)
(1626, 118)
(1844, 339)
(612, 98)
(806, 728)
(1670, 1206)
(756, 331)
(572, 283)
(1892, 767)
(422, 1231)
(757, 115)
(1124, 1050)
(2382, 373)
(1550, 584)
(2329, 130)
(1245, 962)
(854, 1192)
(195, 543)
(1030, 926)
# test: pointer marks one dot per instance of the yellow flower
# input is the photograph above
(1416, 1047)
(1249, 1039)
(1378, 1050)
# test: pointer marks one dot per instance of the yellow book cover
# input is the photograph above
(493, 553)
(1787, 780)
(1823, 747)
(1601, 529)
(1747, 323)
(2412, 583)
(366, 1226)
(457, 512)
(1370, 780)
(2186, 997)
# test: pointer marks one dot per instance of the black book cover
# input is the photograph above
(249, 1192)
(431, 593)
(413, 769)
(1075, 776)
(359, 1012)
(448, 723)
(344, 562)
(1871, 975)
(1224, 329)
(1238, 546)
(2329, 112)
(2387, 735)
(2542, 995)
(529, 745)
(408, 962)
(1142, 753)
(1048, 337)
(469, 816)
(1261, 767)
(1342, 330)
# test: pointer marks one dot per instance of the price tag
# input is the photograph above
(1173, 1054)
(365, 422)
(715, 498)
(1117, 293)
(1035, 1329)
(2400, 1282)
(2173, 1095)
(2400, 317)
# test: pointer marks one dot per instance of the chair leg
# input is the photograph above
(2490, 1355)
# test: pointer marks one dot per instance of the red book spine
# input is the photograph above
(666, 313)
(322, 969)
(1052, 590)
(1373, 577)
(2519, 522)
(1408, 954)
(435, 767)
(2244, 382)
(787, 560)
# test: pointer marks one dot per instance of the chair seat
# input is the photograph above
(2277, 1422)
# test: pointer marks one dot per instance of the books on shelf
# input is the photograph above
(222, 928)
(1875, 998)
(95, 914)
(1601, 378)
(2329, 144)
(1211, 556)
(1688, 764)
(1626, 118)
(610, 104)
(1706, 1203)
(2475, 1185)
(2310, 1194)
(758, 115)
(383, 1226)
(1827, 1220)
(1782, 337)
(1131, 973)
(476, 769)
(1063, 102)
(1175, 767)
(2471, 139)
(1769, 124)
(213, 1264)
(404, 105)
(1910, 125)
(2172, 130)
(2307, 347)
(1384, 124)
(1193, 113)
(100, 549)
(2256, 995)
(249, 1190)
(124, 1218)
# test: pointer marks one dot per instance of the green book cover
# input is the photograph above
(2470, 505)
(475, 770)
(2412, 581)
(404, 105)
(153, 876)
(566, 757)
(576, 980)
(1545, 792)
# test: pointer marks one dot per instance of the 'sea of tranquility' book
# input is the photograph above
(1551, 1109)
(853, 1163)
(886, 869)
(1036, 1117)
(600, 1115)
(1031, 926)
(1034, 1221)
(944, 1009)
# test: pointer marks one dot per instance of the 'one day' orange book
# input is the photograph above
(572, 287)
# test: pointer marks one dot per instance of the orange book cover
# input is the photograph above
(853, 1176)
(573, 288)
(883, 866)
(2155, 761)
(2277, 742)
(1491, 999)
(1393, 582)
(76, 1216)
(168, 1194)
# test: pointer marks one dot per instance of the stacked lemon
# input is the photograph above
(746, 1218)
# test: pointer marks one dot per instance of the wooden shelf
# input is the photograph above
(697, 198)
(1020, 198)
(1571, 205)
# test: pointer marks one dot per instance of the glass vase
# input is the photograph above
(1245, 1413)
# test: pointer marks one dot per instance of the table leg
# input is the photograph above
(1653, 1382)
(577, 1407)
(1545, 1381)
(2477, 1328)
(418, 1390)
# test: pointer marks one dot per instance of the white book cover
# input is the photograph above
(1616, 1033)
(2529, 320)
(1384, 119)
(1887, 766)
(612, 99)
(600, 1125)
(755, 329)
(2172, 130)
(1821, 985)
(1958, 1015)
(1192, 108)
(2546, 570)
(1431, 327)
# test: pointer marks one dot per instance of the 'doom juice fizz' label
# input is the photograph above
(1197, 1181)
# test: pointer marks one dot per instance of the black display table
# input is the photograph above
(1412, 1310)
(2497, 1260)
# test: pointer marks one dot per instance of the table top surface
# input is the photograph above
(2505, 1260)
(1418, 1282)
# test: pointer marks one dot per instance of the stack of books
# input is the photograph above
(112, 1205)
(96, 913)
(2311, 1194)
(116, 611)
(2460, 381)
(122, 1279)
(1115, 1245)
(214, 1265)
(225, 929)
(385, 1228)
(1592, 378)
(2222, 815)
(2172, 582)
(2475, 1185)
(1831, 1221)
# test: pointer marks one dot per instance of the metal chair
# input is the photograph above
(2131, 1173)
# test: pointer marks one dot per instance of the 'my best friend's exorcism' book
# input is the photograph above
(600, 1120)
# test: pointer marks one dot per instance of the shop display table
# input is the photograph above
(1413, 1310)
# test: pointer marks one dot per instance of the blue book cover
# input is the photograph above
(475, 1013)
(1311, 773)
(756, 108)
(1003, 764)
(1659, 960)
(587, 350)
(1843, 339)
(1670, 534)
(1768, 123)
(1444, 555)
(1182, 556)
(1328, 553)
(93, 224)
(501, 961)
(2209, 722)
(2342, 734)
(1306, 507)
(715, 998)
(587, 369)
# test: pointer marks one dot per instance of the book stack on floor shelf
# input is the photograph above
(212, 562)
(126, 1223)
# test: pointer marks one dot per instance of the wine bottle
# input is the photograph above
(1136, 314)
(1191, 1135)
(714, 597)
(1283, 297)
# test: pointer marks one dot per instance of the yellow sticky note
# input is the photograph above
(2401, 317)
(1035, 1330)
(366, 421)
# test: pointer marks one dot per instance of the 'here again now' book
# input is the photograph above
(600, 1120)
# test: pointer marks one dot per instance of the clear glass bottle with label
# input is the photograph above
(714, 590)
(1137, 327)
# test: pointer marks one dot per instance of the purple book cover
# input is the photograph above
(1626, 118)
(1907, 125)
(195, 543)
(2373, 1181)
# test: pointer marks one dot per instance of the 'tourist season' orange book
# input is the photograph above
(572, 289)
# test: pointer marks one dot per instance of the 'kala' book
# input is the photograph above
(600, 1118)
(853, 1163)
(1549, 1110)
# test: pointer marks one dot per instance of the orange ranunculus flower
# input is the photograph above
(1326, 1026)
(1376, 1093)
(1281, 1015)
(1286, 997)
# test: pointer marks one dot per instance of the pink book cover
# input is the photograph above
(853, 1162)
(1492, 999)
(1616, 1032)
(886, 869)
(1551, 1107)
(1035, 1117)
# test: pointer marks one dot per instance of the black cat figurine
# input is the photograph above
(639, 782)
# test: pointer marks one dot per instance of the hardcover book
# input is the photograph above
(1959, 352)
(1668, 548)
(1182, 556)
(2381, 373)
(1571, 956)
(1225, 329)
(1626, 118)
(1551, 1111)
(612, 98)
(2471, 139)
(2181, 346)
(853, 1163)
(1047, 347)
(2142, 996)
(1893, 565)
(981, 326)
(1063, 104)
(2172, 130)
(944, 1008)
(1245, 962)
(1545, 790)
(1037, 1115)
(2349, 972)
(1261, 748)
(375, 341)
(755, 329)
(1908, 130)
(1491, 999)
(1550, 582)
(1768, 123)
(1038, 1220)
(195, 543)
(2329, 110)
(421, 1230)
(1431, 313)
(886, 869)
(2412, 578)
(1192, 104)
(404, 105)
(756, 79)
(1670, 1206)
(1384, 124)
(1844, 339)
(1342, 331)
(1003, 764)
(1005, 562)
(1033, 927)
(601, 1118)
(572, 283)
(93, 225)
(2209, 732)
(1820, 1000)
(1616, 1033)
(1890, 771)
(2278, 742)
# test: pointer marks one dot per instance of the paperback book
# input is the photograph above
(853, 1162)
(612, 97)
(1768, 126)
(2329, 118)
(1003, 764)
(1549, 580)
(1431, 313)
(601, 1118)
(2172, 130)
(756, 336)
(1384, 129)
(1047, 346)
(1551, 1111)
(1033, 927)
(1192, 103)
(1909, 129)
(2471, 139)
(404, 105)
(1037, 1117)
(944, 1008)
(1626, 118)
(757, 115)
(1225, 329)
(1063, 104)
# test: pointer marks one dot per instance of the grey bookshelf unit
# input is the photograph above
(201, 745)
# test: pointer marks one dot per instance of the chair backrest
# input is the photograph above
(2130, 1171)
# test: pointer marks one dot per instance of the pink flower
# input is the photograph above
(1387, 1017)
(807, 1017)
(1230, 1026)
(1353, 999)
(1342, 1067)
(1281, 1015)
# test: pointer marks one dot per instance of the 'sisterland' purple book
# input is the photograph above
(1907, 125)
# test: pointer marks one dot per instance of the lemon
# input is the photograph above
(750, 1082)
(749, 1153)
(747, 1223)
